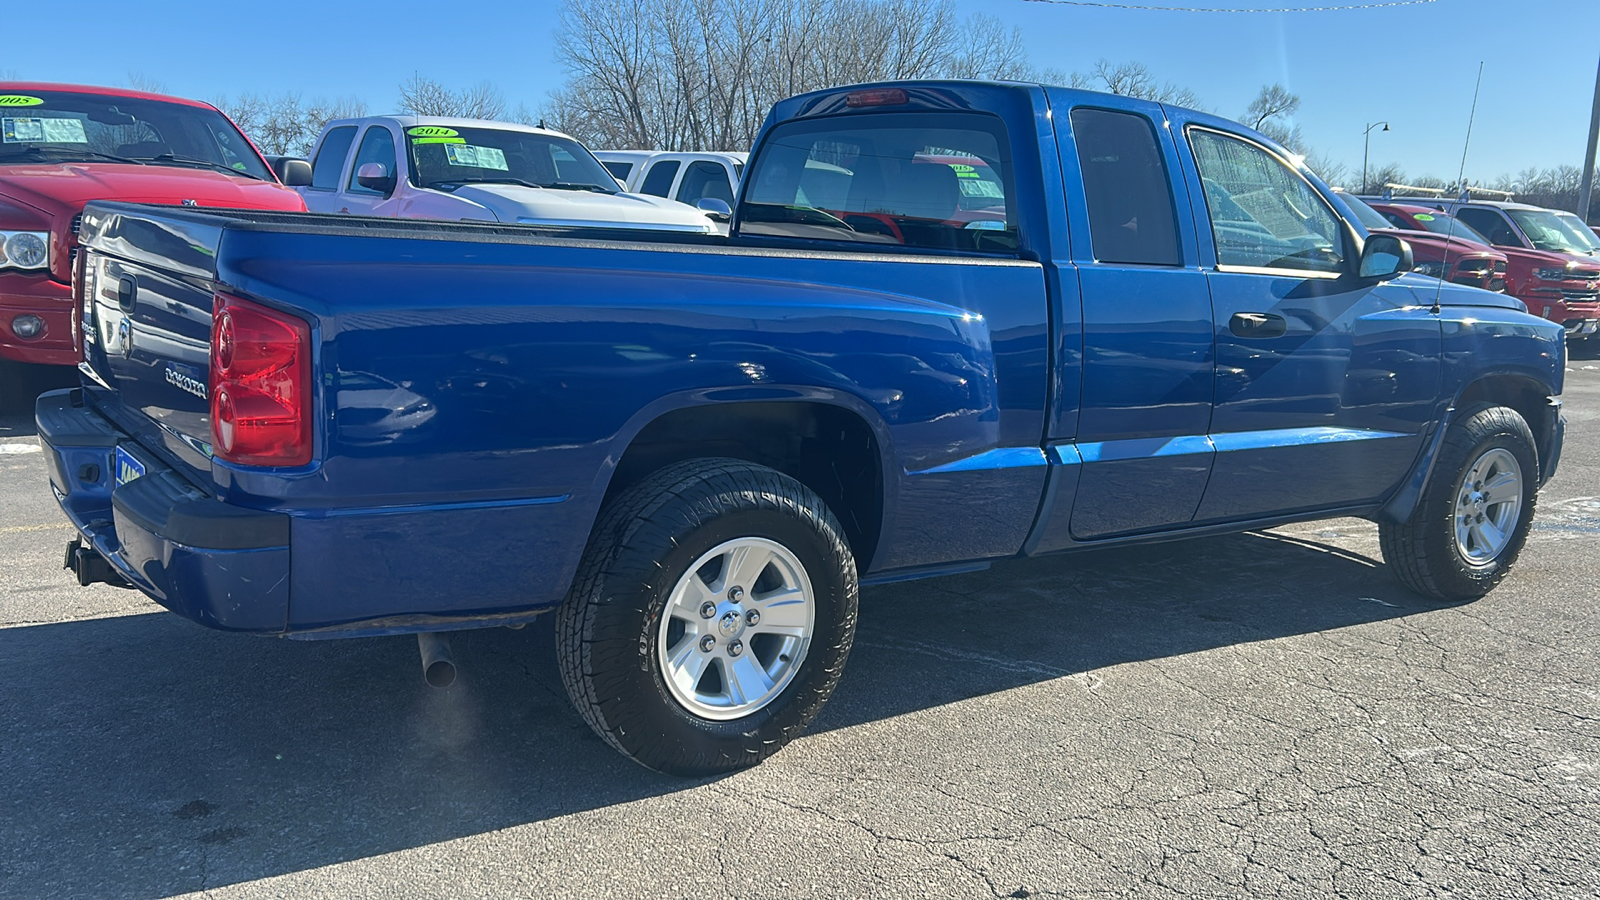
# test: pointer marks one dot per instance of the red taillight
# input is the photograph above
(260, 384)
(876, 97)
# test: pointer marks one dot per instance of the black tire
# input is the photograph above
(609, 628)
(1423, 552)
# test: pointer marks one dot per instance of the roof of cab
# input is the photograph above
(404, 121)
(23, 87)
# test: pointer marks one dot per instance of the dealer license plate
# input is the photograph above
(128, 468)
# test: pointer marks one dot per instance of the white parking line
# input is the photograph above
(19, 448)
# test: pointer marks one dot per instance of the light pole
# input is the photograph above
(1365, 148)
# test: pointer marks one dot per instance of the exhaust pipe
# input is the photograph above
(437, 668)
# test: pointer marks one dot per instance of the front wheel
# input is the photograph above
(710, 617)
(1474, 517)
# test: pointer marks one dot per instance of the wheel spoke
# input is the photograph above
(688, 663)
(744, 680)
(1490, 538)
(687, 599)
(743, 565)
(784, 609)
(1502, 488)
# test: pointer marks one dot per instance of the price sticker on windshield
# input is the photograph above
(476, 157)
(18, 130)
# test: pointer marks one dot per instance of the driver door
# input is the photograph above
(1324, 382)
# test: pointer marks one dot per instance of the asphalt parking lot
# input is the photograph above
(1264, 715)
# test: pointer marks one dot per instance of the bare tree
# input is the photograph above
(421, 96)
(1133, 79)
(701, 74)
(282, 125)
(140, 81)
(1273, 102)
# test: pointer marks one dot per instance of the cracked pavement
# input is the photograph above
(1257, 715)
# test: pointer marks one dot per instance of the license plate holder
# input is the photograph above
(128, 468)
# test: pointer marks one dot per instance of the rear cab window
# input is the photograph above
(937, 181)
(658, 180)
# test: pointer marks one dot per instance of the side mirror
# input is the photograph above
(292, 171)
(375, 177)
(714, 208)
(1385, 256)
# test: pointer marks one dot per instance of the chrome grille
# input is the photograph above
(77, 224)
(1579, 296)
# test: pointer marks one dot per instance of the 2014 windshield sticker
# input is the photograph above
(20, 100)
(435, 134)
(1423, 217)
(476, 157)
(17, 130)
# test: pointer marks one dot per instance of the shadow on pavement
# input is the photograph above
(146, 756)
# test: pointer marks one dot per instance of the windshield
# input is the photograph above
(1579, 230)
(448, 157)
(1365, 214)
(1546, 231)
(62, 126)
(1450, 226)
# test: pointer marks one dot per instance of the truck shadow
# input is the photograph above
(145, 756)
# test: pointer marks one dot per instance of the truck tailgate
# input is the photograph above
(145, 305)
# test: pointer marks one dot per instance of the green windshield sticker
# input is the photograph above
(20, 100)
(440, 140)
(432, 131)
(1423, 217)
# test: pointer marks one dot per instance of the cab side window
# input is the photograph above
(658, 180)
(1263, 214)
(377, 146)
(1489, 223)
(703, 180)
(1127, 189)
(329, 163)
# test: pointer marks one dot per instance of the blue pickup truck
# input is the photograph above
(952, 322)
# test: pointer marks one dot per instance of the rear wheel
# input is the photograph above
(1473, 519)
(710, 618)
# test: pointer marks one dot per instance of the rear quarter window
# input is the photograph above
(928, 180)
(330, 158)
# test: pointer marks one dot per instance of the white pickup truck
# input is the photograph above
(684, 177)
(427, 167)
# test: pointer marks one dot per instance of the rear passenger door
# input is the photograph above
(1324, 381)
(1147, 331)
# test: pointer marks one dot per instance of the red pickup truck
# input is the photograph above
(64, 145)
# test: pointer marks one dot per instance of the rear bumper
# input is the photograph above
(37, 294)
(220, 565)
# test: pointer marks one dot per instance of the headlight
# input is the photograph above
(24, 249)
(1430, 269)
(1554, 274)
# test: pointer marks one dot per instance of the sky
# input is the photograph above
(1412, 66)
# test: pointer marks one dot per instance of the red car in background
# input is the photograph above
(1545, 268)
(1458, 255)
(64, 145)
